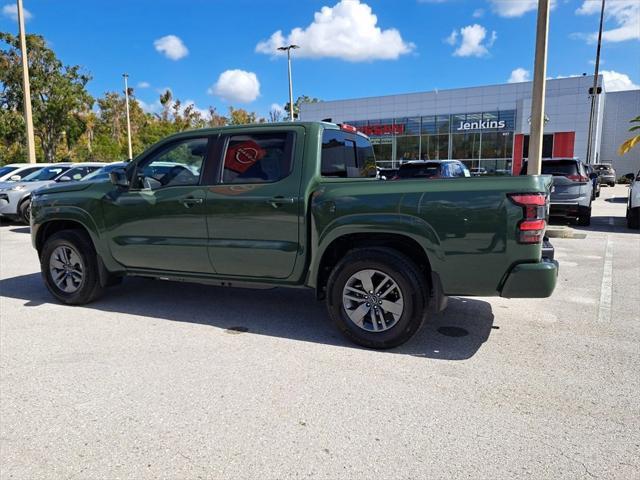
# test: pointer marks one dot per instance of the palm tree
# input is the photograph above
(633, 141)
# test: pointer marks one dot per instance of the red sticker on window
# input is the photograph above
(242, 156)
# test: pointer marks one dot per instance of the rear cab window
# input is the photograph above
(346, 155)
(419, 170)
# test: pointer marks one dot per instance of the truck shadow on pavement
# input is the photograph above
(280, 312)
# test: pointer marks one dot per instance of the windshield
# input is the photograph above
(47, 173)
(103, 173)
(6, 170)
(78, 173)
(421, 170)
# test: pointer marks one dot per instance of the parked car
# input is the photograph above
(606, 173)
(293, 204)
(572, 192)
(102, 174)
(432, 169)
(478, 171)
(15, 172)
(633, 201)
(15, 199)
(594, 180)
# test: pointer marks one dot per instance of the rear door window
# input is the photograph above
(258, 157)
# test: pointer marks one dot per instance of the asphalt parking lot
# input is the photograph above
(156, 380)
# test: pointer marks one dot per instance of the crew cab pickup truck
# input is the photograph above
(297, 205)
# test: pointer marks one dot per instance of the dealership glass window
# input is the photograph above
(443, 123)
(435, 147)
(408, 148)
(407, 126)
(429, 125)
(383, 148)
(465, 146)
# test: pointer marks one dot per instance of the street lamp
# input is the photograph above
(126, 101)
(26, 88)
(594, 91)
(288, 50)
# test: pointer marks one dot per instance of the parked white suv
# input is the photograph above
(633, 202)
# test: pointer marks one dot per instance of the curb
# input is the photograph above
(563, 232)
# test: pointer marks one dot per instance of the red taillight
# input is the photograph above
(578, 178)
(534, 207)
(348, 128)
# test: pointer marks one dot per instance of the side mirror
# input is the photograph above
(630, 176)
(593, 175)
(15, 178)
(64, 179)
(119, 178)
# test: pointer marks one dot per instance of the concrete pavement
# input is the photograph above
(155, 381)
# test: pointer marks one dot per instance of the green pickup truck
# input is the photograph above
(297, 205)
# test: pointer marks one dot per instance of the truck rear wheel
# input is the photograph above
(69, 267)
(377, 297)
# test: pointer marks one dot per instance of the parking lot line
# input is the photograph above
(604, 308)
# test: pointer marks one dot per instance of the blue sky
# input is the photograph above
(350, 48)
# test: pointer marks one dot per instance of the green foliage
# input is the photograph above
(296, 106)
(58, 93)
(633, 141)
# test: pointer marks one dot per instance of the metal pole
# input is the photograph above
(26, 88)
(290, 86)
(126, 101)
(534, 166)
(594, 94)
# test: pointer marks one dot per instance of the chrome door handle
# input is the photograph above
(275, 202)
(191, 201)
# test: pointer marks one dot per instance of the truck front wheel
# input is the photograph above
(377, 297)
(69, 267)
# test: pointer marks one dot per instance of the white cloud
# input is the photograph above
(616, 81)
(348, 31)
(236, 86)
(171, 47)
(474, 41)
(625, 14)
(153, 107)
(144, 84)
(11, 11)
(519, 75)
(515, 8)
(276, 107)
(478, 13)
(452, 38)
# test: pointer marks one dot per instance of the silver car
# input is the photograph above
(15, 198)
(15, 172)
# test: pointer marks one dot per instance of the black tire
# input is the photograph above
(633, 218)
(24, 211)
(612, 184)
(89, 288)
(409, 280)
(584, 217)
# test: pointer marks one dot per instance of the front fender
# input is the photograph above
(391, 223)
(41, 215)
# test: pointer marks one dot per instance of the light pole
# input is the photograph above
(594, 91)
(26, 88)
(288, 49)
(126, 102)
(534, 165)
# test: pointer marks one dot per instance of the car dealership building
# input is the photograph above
(488, 126)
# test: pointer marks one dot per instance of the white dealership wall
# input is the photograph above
(567, 106)
(620, 108)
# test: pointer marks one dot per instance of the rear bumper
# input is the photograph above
(564, 209)
(531, 280)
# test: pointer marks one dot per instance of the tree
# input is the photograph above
(633, 141)
(296, 106)
(58, 93)
(239, 116)
(275, 115)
